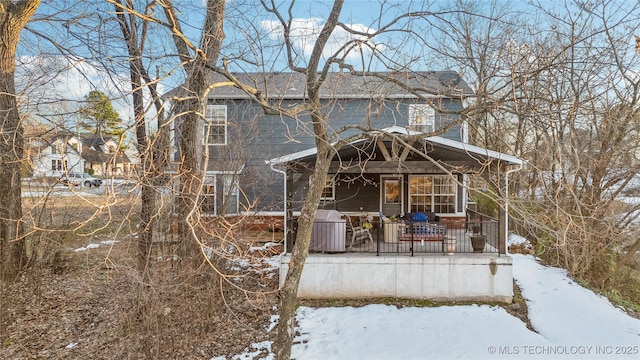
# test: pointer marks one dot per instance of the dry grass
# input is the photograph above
(93, 304)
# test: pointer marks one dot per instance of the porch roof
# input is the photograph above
(441, 147)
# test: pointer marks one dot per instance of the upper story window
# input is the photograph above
(421, 117)
(215, 129)
(58, 165)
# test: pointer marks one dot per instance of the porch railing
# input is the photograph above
(402, 237)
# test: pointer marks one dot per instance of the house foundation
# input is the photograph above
(464, 277)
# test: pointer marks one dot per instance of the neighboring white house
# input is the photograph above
(53, 156)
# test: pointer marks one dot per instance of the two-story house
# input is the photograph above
(259, 165)
(59, 154)
(53, 156)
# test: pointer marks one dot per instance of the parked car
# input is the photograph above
(82, 179)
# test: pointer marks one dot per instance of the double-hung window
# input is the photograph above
(208, 199)
(422, 117)
(215, 128)
(230, 194)
(329, 190)
(58, 164)
(220, 195)
(435, 193)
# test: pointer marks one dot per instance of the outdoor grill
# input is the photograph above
(329, 232)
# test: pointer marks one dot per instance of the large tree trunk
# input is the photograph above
(13, 17)
(289, 291)
(147, 196)
(191, 146)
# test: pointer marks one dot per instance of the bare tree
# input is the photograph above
(314, 114)
(563, 94)
(581, 104)
(153, 154)
(14, 15)
(195, 61)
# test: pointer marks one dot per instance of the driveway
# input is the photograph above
(41, 189)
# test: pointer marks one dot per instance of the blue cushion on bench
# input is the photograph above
(417, 216)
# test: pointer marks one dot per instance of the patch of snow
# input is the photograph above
(258, 350)
(85, 248)
(571, 322)
(109, 242)
(273, 321)
(516, 240)
(264, 247)
(242, 263)
(273, 262)
(208, 252)
(566, 313)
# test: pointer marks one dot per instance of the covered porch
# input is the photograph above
(446, 268)
(346, 234)
(374, 248)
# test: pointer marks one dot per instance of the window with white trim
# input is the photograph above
(230, 194)
(220, 195)
(422, 117)
(329, 190)
(435, 193)
(215, 129)
(58, 164)
(208, 199)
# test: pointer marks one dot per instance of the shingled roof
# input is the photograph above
(93, 140)
(343, 85)
(95, 156)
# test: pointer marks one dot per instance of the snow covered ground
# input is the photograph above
(571, 322)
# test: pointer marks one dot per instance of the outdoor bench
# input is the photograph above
(422, 231)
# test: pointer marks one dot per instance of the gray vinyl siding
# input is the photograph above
(270, 136)
(351, 196)
(254, 137)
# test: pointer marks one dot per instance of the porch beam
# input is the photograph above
(383, 149)
(395, 167)
(407, 150)
(502, 231)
